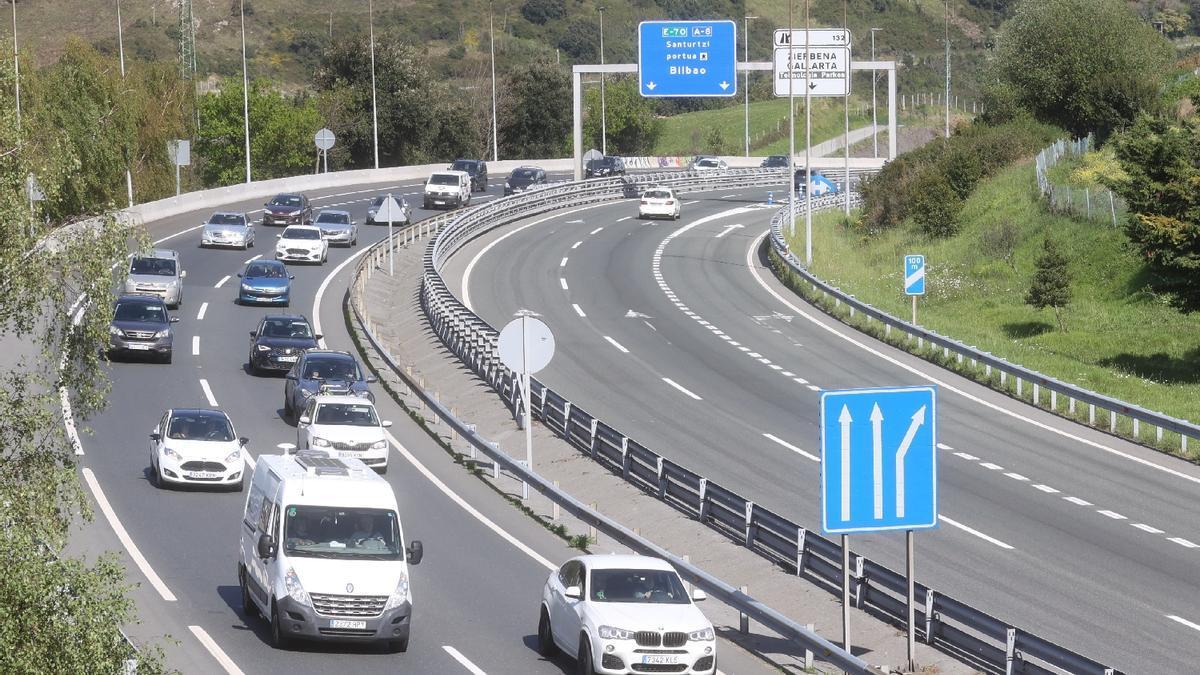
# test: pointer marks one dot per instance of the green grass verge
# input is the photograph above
(1123, 340)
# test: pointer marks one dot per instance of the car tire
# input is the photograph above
(155, 476)
(545, 637)
(278, 639)
(287, 408)
(167, 357)
(249, 609)
(586, 665)
(254, 369)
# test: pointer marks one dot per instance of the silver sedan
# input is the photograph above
(337, 227)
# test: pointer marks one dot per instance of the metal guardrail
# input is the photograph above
(975, 636)
(987, 362)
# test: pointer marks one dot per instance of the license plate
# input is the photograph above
(342, 623)
(287, 359)
(349, 454)
(202, 474)
(659, 659)
(139, 347)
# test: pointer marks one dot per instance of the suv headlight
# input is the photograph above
(233, 456)
(305, 393)
(379, 445)
(704, 634)
(320, 442)
(400, 595)
(113, 330)
(506, 184)
(297, 593)
(610, 633)
(162, 333)
(262, 348)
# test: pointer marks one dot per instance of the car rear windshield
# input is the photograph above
(334, 218)
(264, 271)
(163, 267)
(331, 369)
(465, 165)
(443, 179)
(333, 532)
(143, 312)
(605, 162)
(286, 328)
(658, 194)
(200, 427)
(347, 414)
(642, 586)
(301, 233)
(525, 173)
(227, 219)
(286, 200)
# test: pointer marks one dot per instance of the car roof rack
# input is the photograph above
(320, 464)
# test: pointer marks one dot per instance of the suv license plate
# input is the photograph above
(287, 359)
(659, 659)
(341, 623)
(202, 474)
(138, 346)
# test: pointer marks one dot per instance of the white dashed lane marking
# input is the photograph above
(576, 244)
(250, 260)
(563, 263)
(563, 283)
(789, 446)
(579, 311)
(1185, 622)
(991, 467)
(222, 281)
(977, 533)
(967, 456)
(681, 388)
(1183, 542)
(601, 228)
(208, 392)
(616, 344)
(1147, 528)
(1112, 514)
(195, 345)
(1016, 476)
(1078, 501)
(203, 309)
(1045, 488)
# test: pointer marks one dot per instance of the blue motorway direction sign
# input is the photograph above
(878, 459)
(687, 58)
(914, 275)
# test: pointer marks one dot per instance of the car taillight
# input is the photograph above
(670, 202)
(645, 202)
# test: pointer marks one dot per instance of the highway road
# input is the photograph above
(675, 333)
(475, 593)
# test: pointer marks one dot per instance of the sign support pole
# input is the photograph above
(391, 245)
(914, 310)
(846, 592)
(526, 395)
(911, 570)
(808, 254)
(176, 180)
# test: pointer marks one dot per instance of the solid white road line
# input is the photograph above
(563, 263)
(250, 260)
(1147, 528)
(791, 447)
(195, 345)
(563, 283)
(123, 536)
(601, 228)
(203, 309)
(463, 661)
(579, 310)
(208, 392)
(1189, 624)
(1183, 542)
(675, 384)
(466, 278)
(944, 385)
(1112, 514)
(576, 244)
(222, 281)
(316, 313)
(977, 533)
(616, 344)
(216, 651)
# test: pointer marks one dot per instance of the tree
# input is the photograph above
(631, 124)
(281, 134)
(536, 123)
(1051, 285)
(541, 11)
(1161, 163)
(1085, 65)
(56, 615)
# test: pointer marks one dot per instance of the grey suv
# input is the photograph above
(157, 273)
(326, 370)
(141, 326)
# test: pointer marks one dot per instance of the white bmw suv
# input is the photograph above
(301, 243)
(197, 446)
(625, 614)
(344, 426)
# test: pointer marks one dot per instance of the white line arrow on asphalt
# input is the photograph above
(844, 419)
(728, 229)
(877, 456)
(918, 419)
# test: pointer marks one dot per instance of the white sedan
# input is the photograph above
(659, 202)
(198, 447)
(625, 614)
(301, 243)
(344, 426)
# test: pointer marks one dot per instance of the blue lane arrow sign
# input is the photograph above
(687, 58)
(914, 275)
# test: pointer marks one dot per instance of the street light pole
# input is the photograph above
(947, 96)
(746, 76)
(16, 65)
(374, 107)
(245, 91)
(492, 39)
(874, 118)
(808, 255)
(791, 122)
(121, 51)
(603, 108)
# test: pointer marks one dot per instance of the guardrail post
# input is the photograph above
(1158, 434)
(808, 655)
(749, 524)
(1071, 404)
(1037, 399)
(1183, 443)
(625, 458)
(1137, 429)
(860, 582)
(743, 620)
(987, 371)
(1112, 421)
(555, 511)
(567, 421)
(1053, 400)
(1003, 378)
(1019, 387)
(592, 444)
(929, 619)
(703, 500)
(593, 533)
(1010, 652)
(1091, 414)
(662, 480)
(801, 551)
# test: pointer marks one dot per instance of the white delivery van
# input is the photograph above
(448, 189)
(322, 552)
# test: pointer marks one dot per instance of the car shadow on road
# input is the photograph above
(559, 660)
(232, 596)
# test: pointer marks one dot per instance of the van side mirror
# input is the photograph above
(698, 595)
(416, 551)
(266, 546)
(573, 592)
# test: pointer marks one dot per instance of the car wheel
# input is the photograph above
(155, 475)
(167, 357)
(545, 638)
(248, 606)
(254, 369)
(278, 639)
(586, 666)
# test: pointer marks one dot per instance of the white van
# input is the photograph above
(448, 188)
(322, 552)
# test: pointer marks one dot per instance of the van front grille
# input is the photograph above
(348, 605)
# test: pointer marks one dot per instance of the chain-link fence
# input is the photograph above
(1092, 202)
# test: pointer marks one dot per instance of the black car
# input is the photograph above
(605, 166)
(279, 341)
(775, 162)
(320, 370)
(477, 168)
(287, 209)
(141, 327)
(523, 178)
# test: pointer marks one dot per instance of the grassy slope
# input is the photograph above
(1122, 340)
(687, 133)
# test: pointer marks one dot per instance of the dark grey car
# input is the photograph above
(323, 370)
(141, 327)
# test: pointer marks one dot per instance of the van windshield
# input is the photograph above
(443, 179)
(336, 532)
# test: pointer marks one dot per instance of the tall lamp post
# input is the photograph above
(245, 91)
(603, 108)
(121, 51)
(874, 118)
(947, 95)
(374, 108)
(746, 76)
(16, 65)
(492, 39)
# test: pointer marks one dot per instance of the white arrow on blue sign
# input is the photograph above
(914, 275)
(878, 459)
(687, 58)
